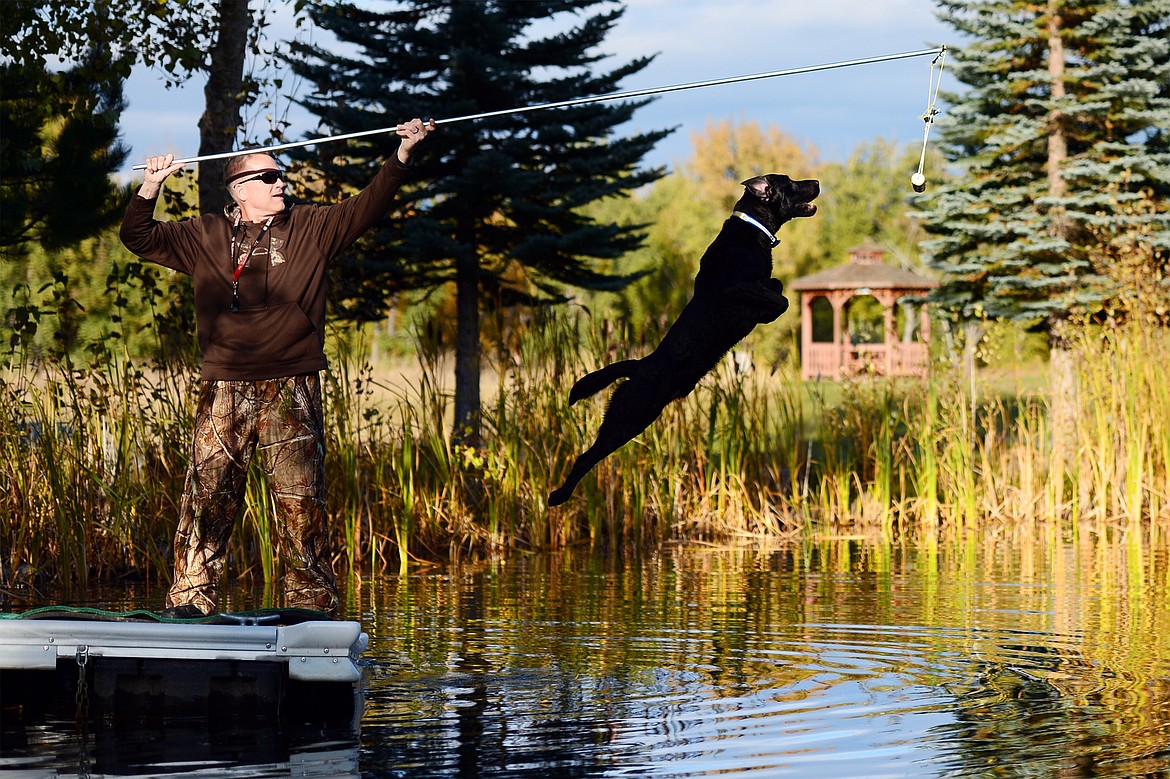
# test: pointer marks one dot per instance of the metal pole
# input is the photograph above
(567, 103)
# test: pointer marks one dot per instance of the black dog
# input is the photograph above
(734, 292)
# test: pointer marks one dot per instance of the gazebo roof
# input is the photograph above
(864, 270)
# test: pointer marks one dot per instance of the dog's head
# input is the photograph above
(779, 197)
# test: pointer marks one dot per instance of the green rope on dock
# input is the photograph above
(87, 613)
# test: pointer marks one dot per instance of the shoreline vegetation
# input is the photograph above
(93, 459)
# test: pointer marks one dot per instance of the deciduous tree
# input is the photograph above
(178, 39)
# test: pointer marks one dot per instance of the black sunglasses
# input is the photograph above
(269, 177)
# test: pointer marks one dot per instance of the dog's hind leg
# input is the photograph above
(632, 409)
(592, 383)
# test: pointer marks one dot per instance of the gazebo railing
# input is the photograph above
(834, 361)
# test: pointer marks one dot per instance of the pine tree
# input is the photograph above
(58, 150)
(497, 209)
(1122, 182)
(1066, 119)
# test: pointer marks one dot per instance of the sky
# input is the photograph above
(694, 40)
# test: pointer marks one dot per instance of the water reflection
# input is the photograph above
(1008, 653)
(197, 747)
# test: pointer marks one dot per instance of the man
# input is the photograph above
(259, 273)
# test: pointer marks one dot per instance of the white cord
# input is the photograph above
(918, 180)
(564, 103)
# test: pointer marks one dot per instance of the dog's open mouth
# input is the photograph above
(808, 192)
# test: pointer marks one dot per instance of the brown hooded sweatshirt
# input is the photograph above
(279, 329)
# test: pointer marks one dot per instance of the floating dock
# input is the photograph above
(291, 664)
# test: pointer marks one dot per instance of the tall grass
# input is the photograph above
(91, 470)
(92, 460)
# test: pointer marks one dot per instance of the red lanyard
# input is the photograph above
(243, 259)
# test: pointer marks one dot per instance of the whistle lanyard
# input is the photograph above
(243, 260)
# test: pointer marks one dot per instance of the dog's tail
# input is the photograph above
(592, 383)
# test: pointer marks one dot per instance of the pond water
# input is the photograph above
(1003, 653)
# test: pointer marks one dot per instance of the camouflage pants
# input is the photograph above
(282, 421)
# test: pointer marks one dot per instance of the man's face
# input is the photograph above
(259, 187)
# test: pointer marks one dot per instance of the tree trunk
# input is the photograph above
(972, 334)
(223, 97)
(1060, 363)
(1057, 140)
(1064, 390)
(467, 366)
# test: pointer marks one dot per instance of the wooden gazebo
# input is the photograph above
(835, 354)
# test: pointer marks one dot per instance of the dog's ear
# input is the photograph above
(759, 187)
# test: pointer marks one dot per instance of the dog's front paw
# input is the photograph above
(775, 310)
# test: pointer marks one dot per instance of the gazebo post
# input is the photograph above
(838, 304)
(806, 336)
